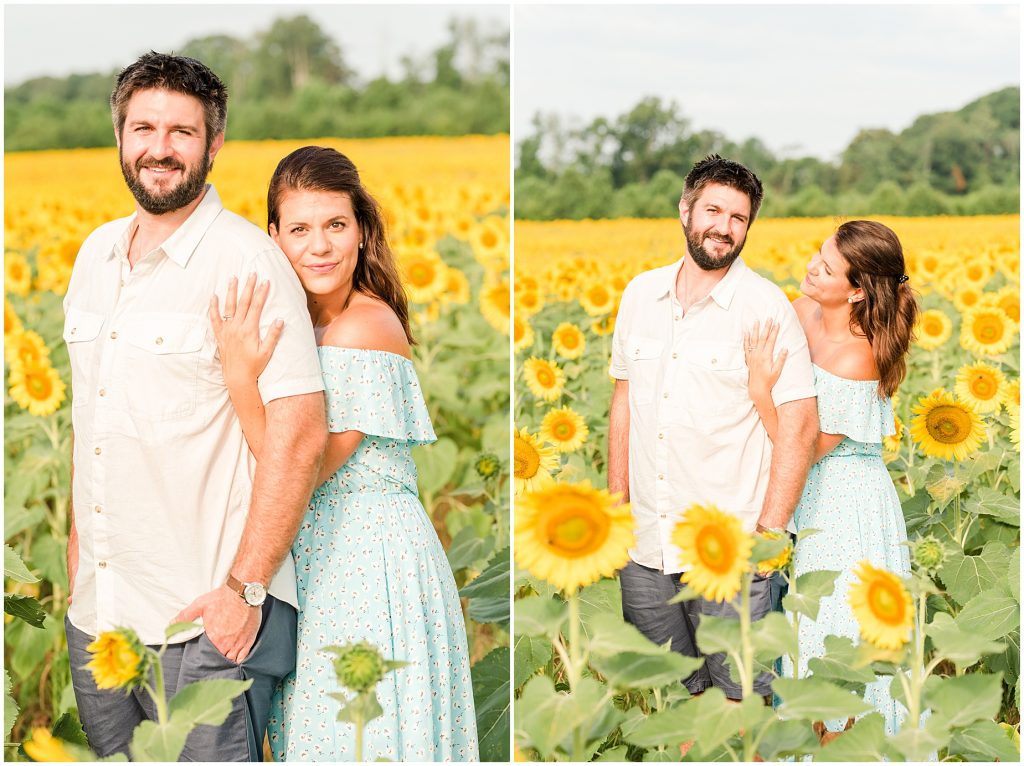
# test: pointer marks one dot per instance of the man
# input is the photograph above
(172, 518)
(682, 428)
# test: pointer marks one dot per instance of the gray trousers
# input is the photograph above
(645, 593)
(109, 716)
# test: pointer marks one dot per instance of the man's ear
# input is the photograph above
(216, 145)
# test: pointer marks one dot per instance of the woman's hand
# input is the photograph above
(243, 354)
(762, 365)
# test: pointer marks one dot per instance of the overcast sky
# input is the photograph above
(62, 39)
(803, 78)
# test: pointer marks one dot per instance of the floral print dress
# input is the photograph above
(850, 497)
(370, 567)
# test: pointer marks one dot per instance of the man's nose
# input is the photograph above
(161, 145)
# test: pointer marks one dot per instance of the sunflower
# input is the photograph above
(564, 428)
(1011, 395)
(891, 445)
(494, 304)
(528, 301)
(1015, 428)
(26, 348)
(603, 326)
(967, 297)
(37, 387)
(568, 341)
(572, 534)
(489, 240)
(533, 462)
(17, 273)
(522, 333)
(597, 299)
(778, 562)
(945, 427)
(544, 378)
(792, 291)
(933, 329)
(12, 322)
(717, 550)
(986, 330)
(456, 288)
(119, 660)
(424, 275)
(43, 747)
(982, 385)
(1008, 299)
(882, 606)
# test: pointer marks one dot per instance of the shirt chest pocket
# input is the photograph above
(162, 364)
(643, 357)
(81, 335)
(713, 377)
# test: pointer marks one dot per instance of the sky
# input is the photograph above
(802, 78)
(100, 38)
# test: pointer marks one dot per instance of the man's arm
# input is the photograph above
(618, 441)
(296, 434)
(791, 459)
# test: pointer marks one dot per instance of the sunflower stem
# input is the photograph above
(747, 648)
(574, 669)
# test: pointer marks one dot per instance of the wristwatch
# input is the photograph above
(252, 593)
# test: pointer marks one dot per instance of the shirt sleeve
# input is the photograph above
(617, 369)
(294, 367)
(797, 378)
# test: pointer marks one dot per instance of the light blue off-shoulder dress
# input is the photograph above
(850, 497)
(370, 567)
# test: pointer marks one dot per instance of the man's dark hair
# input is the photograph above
(716, 170)
(175, 73)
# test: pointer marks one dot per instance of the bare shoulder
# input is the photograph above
(854, 362)
(803, 306)
(368, 323)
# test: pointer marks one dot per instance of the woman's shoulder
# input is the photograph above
(367, 323)
(854, 361)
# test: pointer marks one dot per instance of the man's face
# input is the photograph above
(715, 226)
(165, 156)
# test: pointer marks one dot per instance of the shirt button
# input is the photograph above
(103, 392)
(714, 361)
(678, 317)
(113, 335)
(661, 476)
(675, 355)
(660, 436)
(97, 450)
(159, 341)
(102, 565)
(663, 515)
(98, 509)
(665, 395)
(72, 331)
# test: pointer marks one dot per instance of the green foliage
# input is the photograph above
(492, 694)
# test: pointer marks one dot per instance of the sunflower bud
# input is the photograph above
(928, 554)
(359, 666)
(487, 465)
(119, 660)
(45, 747)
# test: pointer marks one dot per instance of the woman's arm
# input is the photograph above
(244, 355)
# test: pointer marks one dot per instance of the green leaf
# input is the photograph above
(31, 648)
(435, 464)
(816, 699)
(493, 582)
(921, 744)
(613, 755)
(545, 719)
(967, 576)
(1011, 583)
(786, 738)
(956, 644)
(686, 594)
(360, 709)
(718, 634)
(49, 557)
(467, 548)
(989, 615)
(178, 627)
(24, 608)
(984, 741)
(810, 588)
(773, 636)
(602, 597)
(962, 700)
(155, 742)
(17, 519)
(69, 729)
(709, 720)
(540, 616)
(14, 567)
(991, 502)
(610, 635)
(768, 548)
(492, 698)
(839, 664)
(531, 654)
(642, 670)
(489, 610)
(11, 708)
(205, 702)
(864, 742)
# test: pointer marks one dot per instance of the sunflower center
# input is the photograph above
(526, 461)
(886, 605)
(39, 386)
(983, 387)
(421, 275)
(520, 330)
(933, 326)
(988, 329)
(948, 424)
(598, 295)
(715, 549)
(569, 340)
(545, 377)
(576, 531)
(564, 430)
(489, 239)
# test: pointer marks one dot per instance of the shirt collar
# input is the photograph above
(722, 293)
(180, 246)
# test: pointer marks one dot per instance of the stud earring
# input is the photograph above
(849, 300)
(360, 245)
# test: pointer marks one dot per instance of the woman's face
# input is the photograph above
(319, 234)
(826, 281)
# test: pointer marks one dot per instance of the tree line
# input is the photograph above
(965, 162)
(292, 81)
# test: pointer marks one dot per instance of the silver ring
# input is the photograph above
(226, 317)
(751, 348)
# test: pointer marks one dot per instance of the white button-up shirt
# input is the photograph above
(694, 433)
(163, 475)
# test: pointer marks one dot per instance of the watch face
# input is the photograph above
(254, 594)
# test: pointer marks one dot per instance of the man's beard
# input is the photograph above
(704, 259)
(175, 198)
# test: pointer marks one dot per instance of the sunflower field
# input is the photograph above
(447, 204)
(589, 686)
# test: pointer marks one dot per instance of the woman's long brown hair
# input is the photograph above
(319, 168)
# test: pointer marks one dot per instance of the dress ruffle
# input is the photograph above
(375, 392)
(852, 408)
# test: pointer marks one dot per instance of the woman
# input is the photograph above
(858, 313)
(368, 562)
